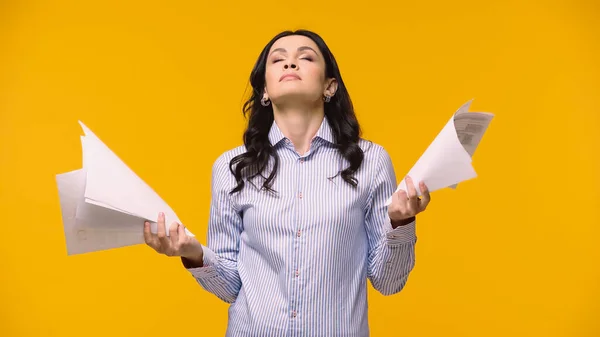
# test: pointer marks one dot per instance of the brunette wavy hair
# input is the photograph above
(339, 112)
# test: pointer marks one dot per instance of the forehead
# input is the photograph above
(293, 42)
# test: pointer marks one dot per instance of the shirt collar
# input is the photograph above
(324, 132)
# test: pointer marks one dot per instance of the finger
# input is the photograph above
(147, 234)
(181, 233)
(400, 197)
(399, 201)
(149, 237)
(426, 196)
(173, 233)
(161, 231)
(412, 194)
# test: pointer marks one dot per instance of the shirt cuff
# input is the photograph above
(401, 234)
(209, 263)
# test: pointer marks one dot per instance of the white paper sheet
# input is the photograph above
(448, 159)
(96, 228)
(104, 204)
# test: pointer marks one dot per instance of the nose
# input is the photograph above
(292, 65)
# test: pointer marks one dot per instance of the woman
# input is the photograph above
(298, 220)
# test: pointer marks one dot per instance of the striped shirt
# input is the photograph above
(296, 263)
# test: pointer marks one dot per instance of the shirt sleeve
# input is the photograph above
(391, 255)
(219, 273)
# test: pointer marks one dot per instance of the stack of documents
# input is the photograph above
(104, 204)
(447, 160)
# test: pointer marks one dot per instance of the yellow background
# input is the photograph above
(510, 253)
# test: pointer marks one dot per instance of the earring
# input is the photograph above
(327, 98)
(265, 101)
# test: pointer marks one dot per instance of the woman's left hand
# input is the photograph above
(407, 205)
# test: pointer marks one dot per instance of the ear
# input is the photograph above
(265, 94)
(331, 87)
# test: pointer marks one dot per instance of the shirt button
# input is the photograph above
(302, 160)
(298, 233)
(297, 273)
(294, 313)
(300, 195)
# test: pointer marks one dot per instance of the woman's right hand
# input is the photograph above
(177, 243)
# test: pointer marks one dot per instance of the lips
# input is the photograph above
(289, 76)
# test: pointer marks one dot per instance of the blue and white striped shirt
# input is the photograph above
(297, 263)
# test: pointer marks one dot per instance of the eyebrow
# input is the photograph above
(303, 48)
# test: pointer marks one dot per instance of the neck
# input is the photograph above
(299, 124)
